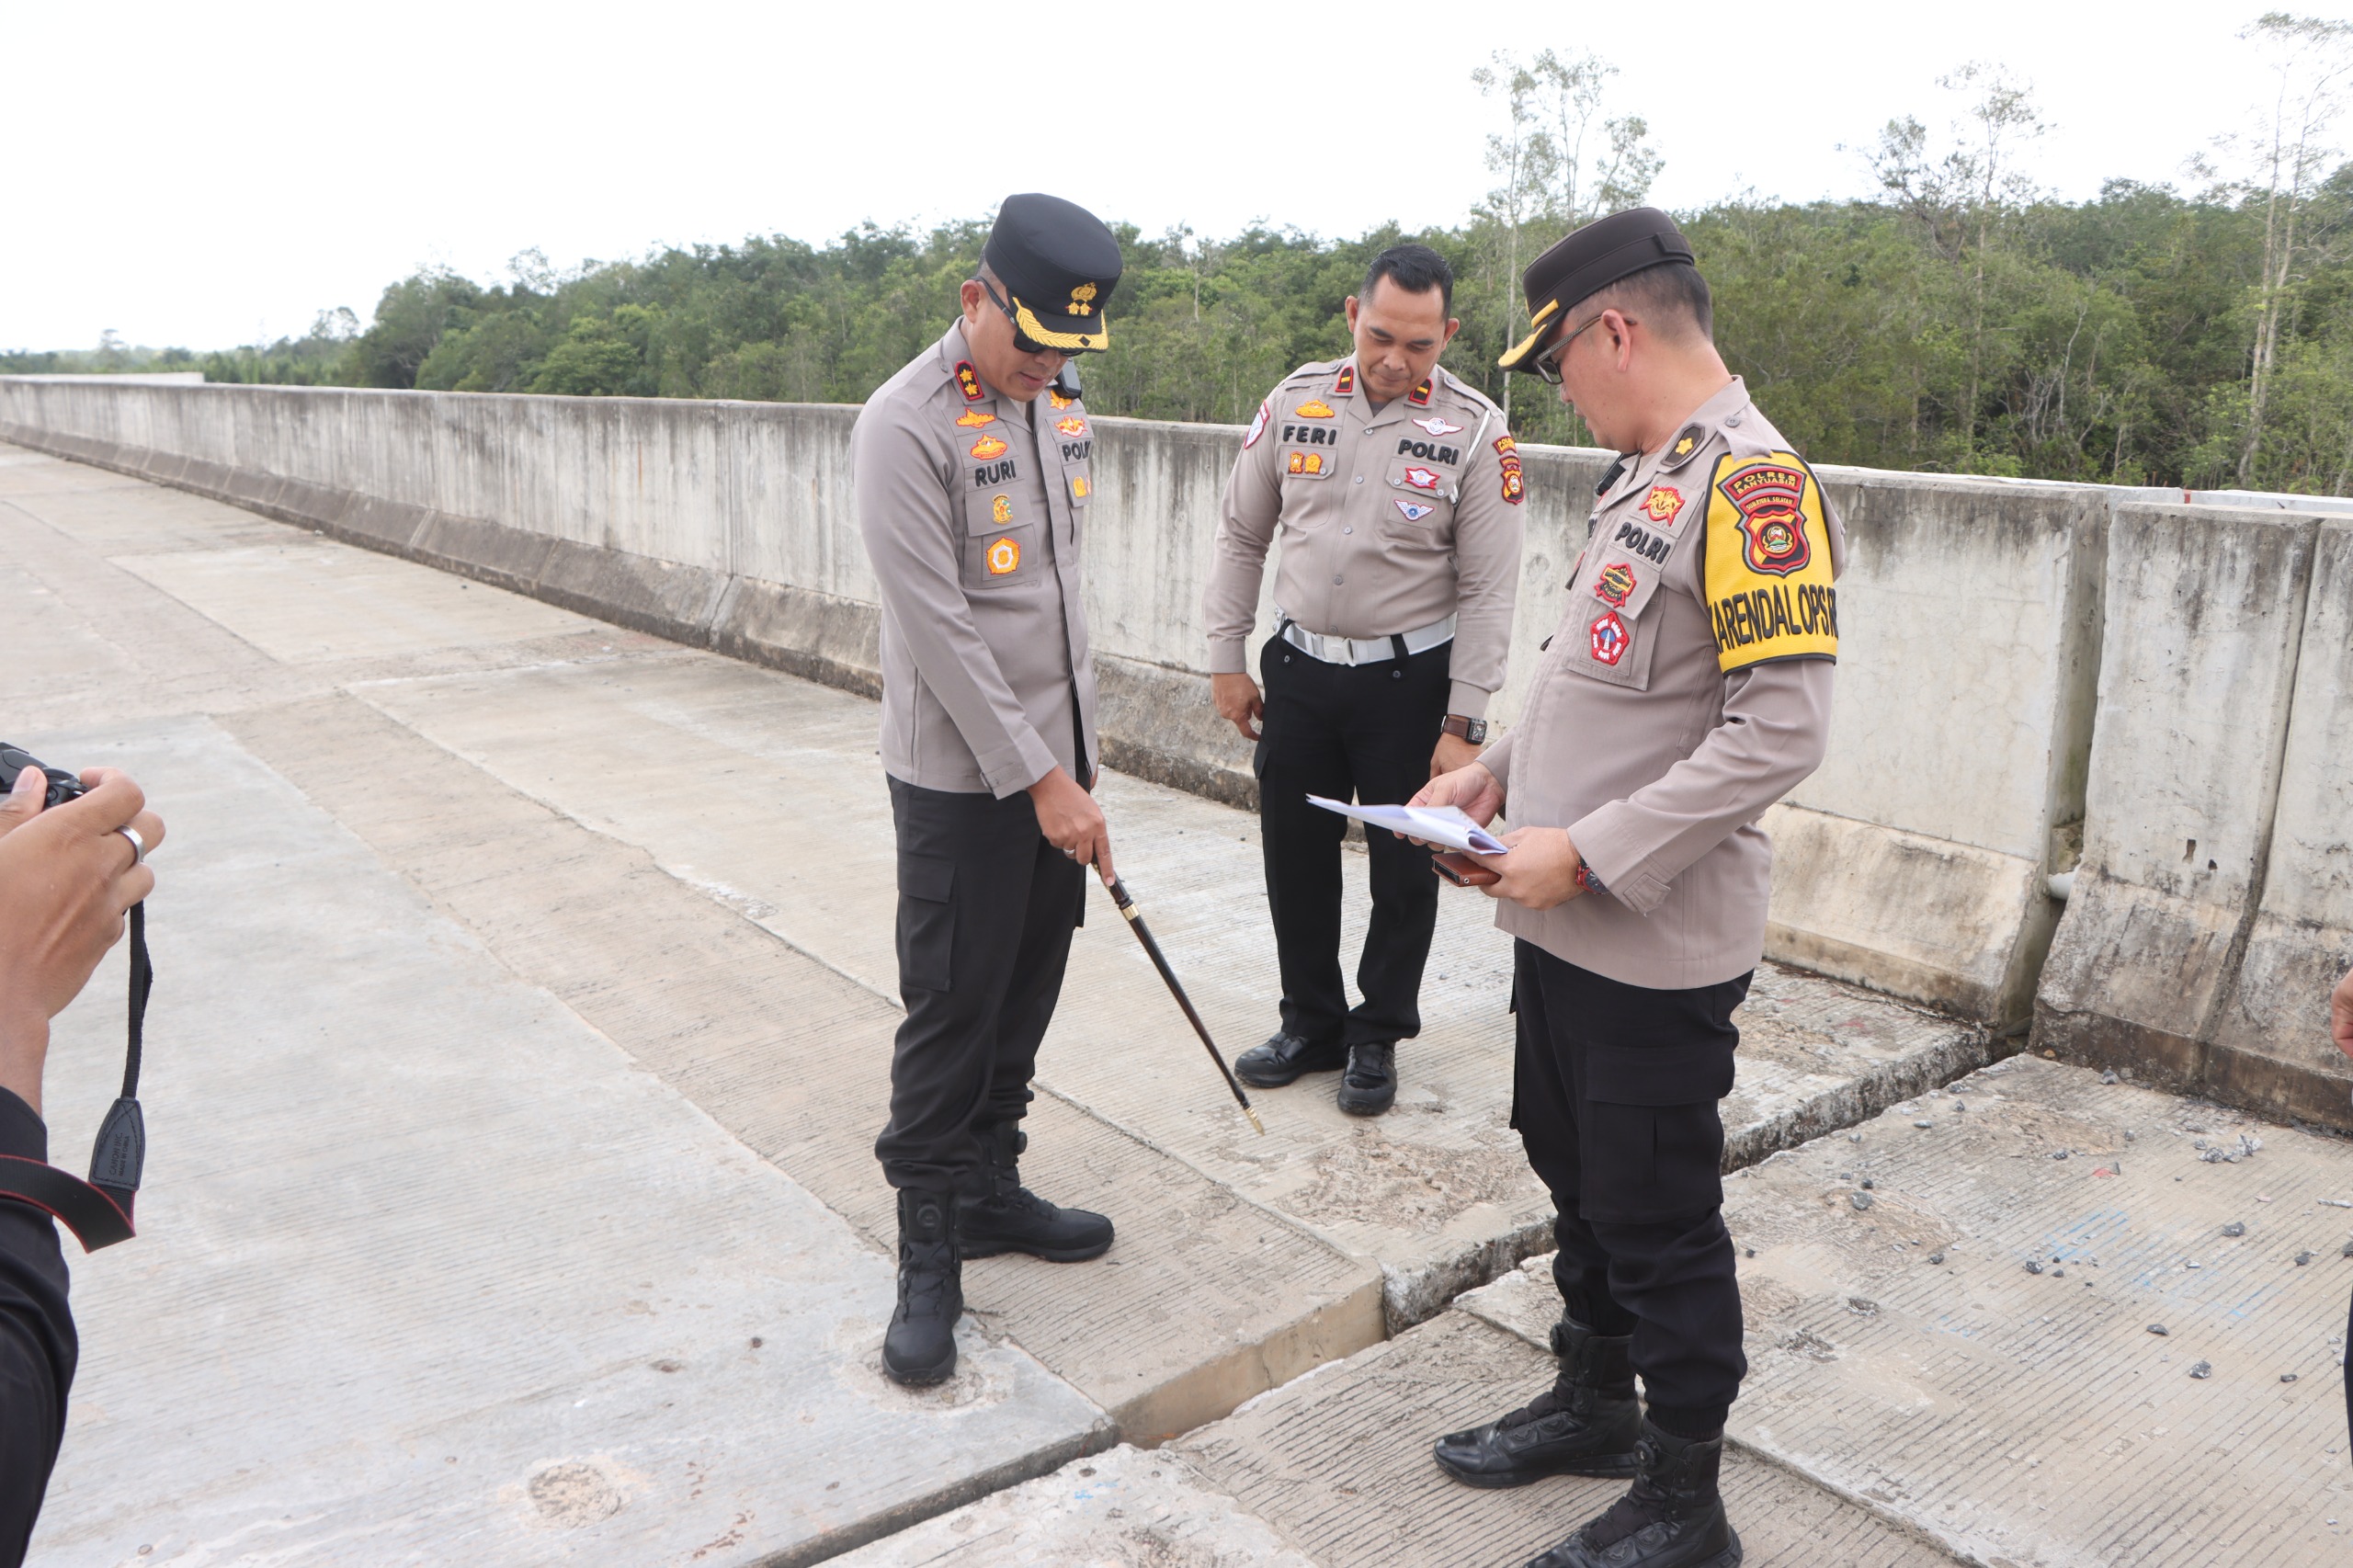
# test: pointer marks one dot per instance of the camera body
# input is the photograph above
(63, 785)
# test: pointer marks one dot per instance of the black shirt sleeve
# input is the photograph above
(38, 1348)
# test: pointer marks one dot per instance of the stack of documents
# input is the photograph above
(1432, 824)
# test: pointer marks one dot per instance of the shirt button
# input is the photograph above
(1360, 479)
(1349, 528)
(1337, 579)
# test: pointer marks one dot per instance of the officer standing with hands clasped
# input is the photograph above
(1686, 688)
(1396, 490)
(971, 467)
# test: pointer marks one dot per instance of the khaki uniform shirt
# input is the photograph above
(1391, 521)
(971, 505)
(1686, 689)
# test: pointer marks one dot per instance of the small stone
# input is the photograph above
(1867, 1184)
(1923, 1126)
(2302, 1258)
(2107, 1077)
(2287, 1377)
(2061, 1153)
(2203, 1369)
(2034, 1266)
(2213, 1156)
(2129, 1135)
(1854, 1137)
(2058, 1274)
(1936, 1257)
(1751, 1252)
(2049, 1055)
(1960, 1104)
(1861, 1308)
(2159, 1329)
(1860, 1200)
(2235, 1228)
(2348, 1251)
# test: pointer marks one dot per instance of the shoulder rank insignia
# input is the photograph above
(1073, 427)
(988, 447)
(973, 418)
(1257, 428)
(1420, 396)
(1684, 445)
(1059, 400)
(1346, 385)
(968, 381)
(1314, 408)
(1767, 562)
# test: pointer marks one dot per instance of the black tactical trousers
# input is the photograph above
(1364, 732)
(986, 909)
(1614, 1095)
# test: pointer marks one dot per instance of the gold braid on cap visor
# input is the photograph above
(1518, 356)
(1070, 342)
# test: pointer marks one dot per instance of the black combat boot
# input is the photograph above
(919, 1347)
(1011, 1218)
(1587, 1423)
(1369, 1085)
(1285, 1059)
(1673, 1516)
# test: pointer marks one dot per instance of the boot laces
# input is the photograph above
(923, 1280)
(1645, 1503)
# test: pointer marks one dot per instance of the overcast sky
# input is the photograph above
(206, 174)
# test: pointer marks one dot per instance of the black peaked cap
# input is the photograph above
(1058, 264)
(1588, 261)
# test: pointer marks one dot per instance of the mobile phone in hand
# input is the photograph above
(1462, 871)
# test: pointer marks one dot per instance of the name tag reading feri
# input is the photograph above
(1768, 568)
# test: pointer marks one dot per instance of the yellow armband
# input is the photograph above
(1766, 573)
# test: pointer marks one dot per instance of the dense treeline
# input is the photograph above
(1957, 321)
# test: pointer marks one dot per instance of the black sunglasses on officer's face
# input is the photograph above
(1548, 364)
(1022, 342)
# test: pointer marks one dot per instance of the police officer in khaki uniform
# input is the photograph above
(1686, 688)
(971, 468)
(1396, 489)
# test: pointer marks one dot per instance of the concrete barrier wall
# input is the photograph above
(1974, 619)
(2215, 906)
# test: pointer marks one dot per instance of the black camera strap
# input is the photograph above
(98, 1210)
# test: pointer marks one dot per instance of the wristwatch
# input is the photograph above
(1472, 730)
(1588, 881)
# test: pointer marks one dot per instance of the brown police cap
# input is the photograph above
(1589, 261)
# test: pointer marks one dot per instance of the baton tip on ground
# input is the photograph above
(1254, 1122)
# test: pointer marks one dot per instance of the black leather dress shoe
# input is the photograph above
(1369, 1085)
(1285, 1059)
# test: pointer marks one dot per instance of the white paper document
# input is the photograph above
(1434, 825)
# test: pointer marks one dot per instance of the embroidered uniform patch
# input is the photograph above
(1000, 508)
(1608, 639)
(975, 418)
(1616, 584)
(1767, 567)
(1078, 487)
(1663, 503)
(1059, 400)
(1004, 557)
(1420, 478)
(968, 381)
(1508, 454)
(1314, 408)
(1073, 427)
(1416, 510)
(1257, 428)
(1436, 426)
(1307, 464)
(1685, 444)
(1420, 395)
(989, 447)
(1346, 385)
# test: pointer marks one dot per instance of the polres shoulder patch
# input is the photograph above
(1257, 428)
(1766, 571)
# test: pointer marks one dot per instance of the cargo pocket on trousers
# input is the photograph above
(926, 921)
(1654, 1139)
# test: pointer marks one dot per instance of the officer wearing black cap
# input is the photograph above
(1684, 689)
(973, 480)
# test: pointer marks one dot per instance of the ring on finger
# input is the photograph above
(1072, 853)
(137, 844)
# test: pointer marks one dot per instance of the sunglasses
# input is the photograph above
(1022, 342)
(1548, 364)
